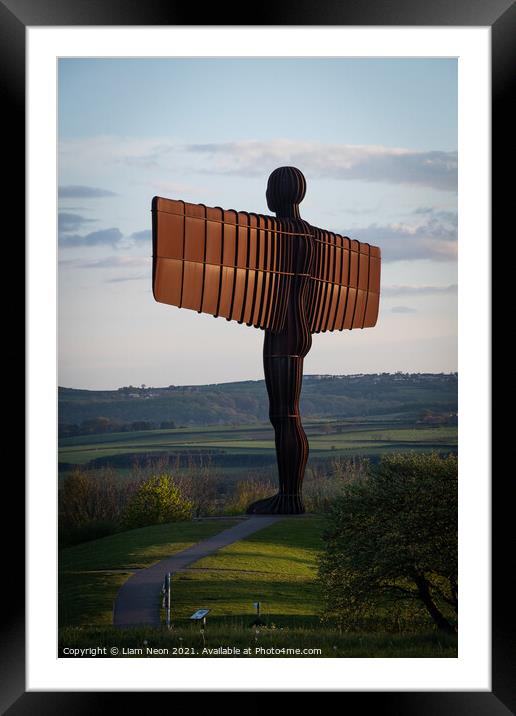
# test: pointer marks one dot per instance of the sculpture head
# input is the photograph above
(286, 189)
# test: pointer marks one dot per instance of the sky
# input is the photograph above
(377, 142)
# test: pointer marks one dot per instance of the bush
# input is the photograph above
(156, 500)
(246, 492)
(391, 545)
(90, 503)
(324, 483)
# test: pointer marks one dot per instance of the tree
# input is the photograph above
(67, 430)
(167, 424)
(89, 504)
(157, 500)
(96, 425)
(142, 425)
(392, 543)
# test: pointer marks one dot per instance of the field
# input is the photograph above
(275, 566)
(238, 449)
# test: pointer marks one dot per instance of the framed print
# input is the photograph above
(235, 264)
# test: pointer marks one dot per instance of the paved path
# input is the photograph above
(138, 600)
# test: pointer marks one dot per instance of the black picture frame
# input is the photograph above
(15, 17)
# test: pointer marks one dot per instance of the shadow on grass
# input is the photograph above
(87, 598)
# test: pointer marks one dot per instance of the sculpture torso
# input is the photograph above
(283, 351)
(295, 339)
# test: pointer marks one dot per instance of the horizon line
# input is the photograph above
(253, 380)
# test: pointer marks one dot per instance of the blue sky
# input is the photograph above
(376, 140)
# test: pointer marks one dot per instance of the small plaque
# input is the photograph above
(199, 614)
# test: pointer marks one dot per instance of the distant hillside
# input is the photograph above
(246, 402)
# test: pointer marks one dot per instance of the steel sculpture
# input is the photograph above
(279, 274)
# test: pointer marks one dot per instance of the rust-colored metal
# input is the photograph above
(276, 273)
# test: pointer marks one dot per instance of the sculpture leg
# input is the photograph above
(283, 378)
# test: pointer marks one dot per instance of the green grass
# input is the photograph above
(91, 573)
(329, 641)
(275, 566)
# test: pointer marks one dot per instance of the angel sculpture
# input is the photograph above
(280, 274)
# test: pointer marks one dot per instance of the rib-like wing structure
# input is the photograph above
(345, 285)
(240, 266)
(222, 262)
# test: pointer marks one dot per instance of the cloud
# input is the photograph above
(354, 211)
(371, 163)
(418, 290)
(67, 222)
(108, 262)
(437, 214)
(101, 151)
(434, 237)
(76, 191)
(147, 159)
(403, 309)
(120, 279)
(112, 237)
(144, 235)
(103, 237)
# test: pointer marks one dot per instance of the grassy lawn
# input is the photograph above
(275, 566)
(91, 573)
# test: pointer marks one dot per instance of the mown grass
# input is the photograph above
(91, 573)
(275, 566)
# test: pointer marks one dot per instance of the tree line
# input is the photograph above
(95, 426)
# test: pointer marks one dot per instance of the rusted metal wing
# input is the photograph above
(222, 262)
(344, 289)
(239, 266)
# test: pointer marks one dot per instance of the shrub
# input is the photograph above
(156, 500)
(90, 503)
(325, 482)
(391, 545)
(248, 491)
(197, 483)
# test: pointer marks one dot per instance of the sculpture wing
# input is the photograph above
(222, 262)
(345, 285)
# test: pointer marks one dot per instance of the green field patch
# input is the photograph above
(373, 436)
(91, 573)
(241, 445)
(232, 593)
(275, 566)
(87, 597)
